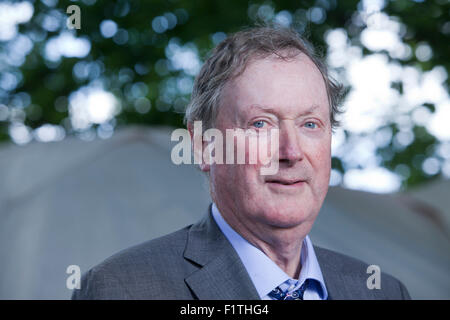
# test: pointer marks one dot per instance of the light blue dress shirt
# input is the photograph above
(265, 274)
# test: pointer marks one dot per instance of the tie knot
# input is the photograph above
(279, 294)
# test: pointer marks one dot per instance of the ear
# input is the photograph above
(198, 145)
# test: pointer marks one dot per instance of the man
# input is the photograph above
(253, 242)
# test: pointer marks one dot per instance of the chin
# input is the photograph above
(287, 217)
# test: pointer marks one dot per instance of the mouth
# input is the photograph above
(285, 182)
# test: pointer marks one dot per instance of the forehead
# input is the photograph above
(289, 86)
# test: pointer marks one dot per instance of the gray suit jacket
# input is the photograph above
(198, 262)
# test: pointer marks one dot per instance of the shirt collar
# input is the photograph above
(264, 273)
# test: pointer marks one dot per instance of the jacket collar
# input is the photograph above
(343, 280)
(221, 274)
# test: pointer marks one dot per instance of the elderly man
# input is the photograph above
(253, 242)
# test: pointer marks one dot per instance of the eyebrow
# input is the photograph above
(308, 111)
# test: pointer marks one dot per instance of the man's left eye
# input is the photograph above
(311, 125)
(259, 124)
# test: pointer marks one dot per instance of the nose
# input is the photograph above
(290, 150)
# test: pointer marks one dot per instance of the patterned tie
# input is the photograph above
(279, 294)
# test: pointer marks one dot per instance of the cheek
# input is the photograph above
(320, 152)
(321, 163)
(236, 180)
(323, 158)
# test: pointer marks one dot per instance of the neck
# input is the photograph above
(286, 254)
(282, 245)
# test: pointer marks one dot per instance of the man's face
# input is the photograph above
(289, 96)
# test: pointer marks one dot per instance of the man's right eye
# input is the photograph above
(259, 124)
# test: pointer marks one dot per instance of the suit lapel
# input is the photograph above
(334, 281)
(342, 282)
(222, 274)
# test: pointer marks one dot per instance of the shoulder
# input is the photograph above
(355, 275)
(132, 271)
(169, 245)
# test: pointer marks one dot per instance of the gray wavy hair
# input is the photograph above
(230, 58)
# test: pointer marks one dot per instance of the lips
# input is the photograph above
(286, 182)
